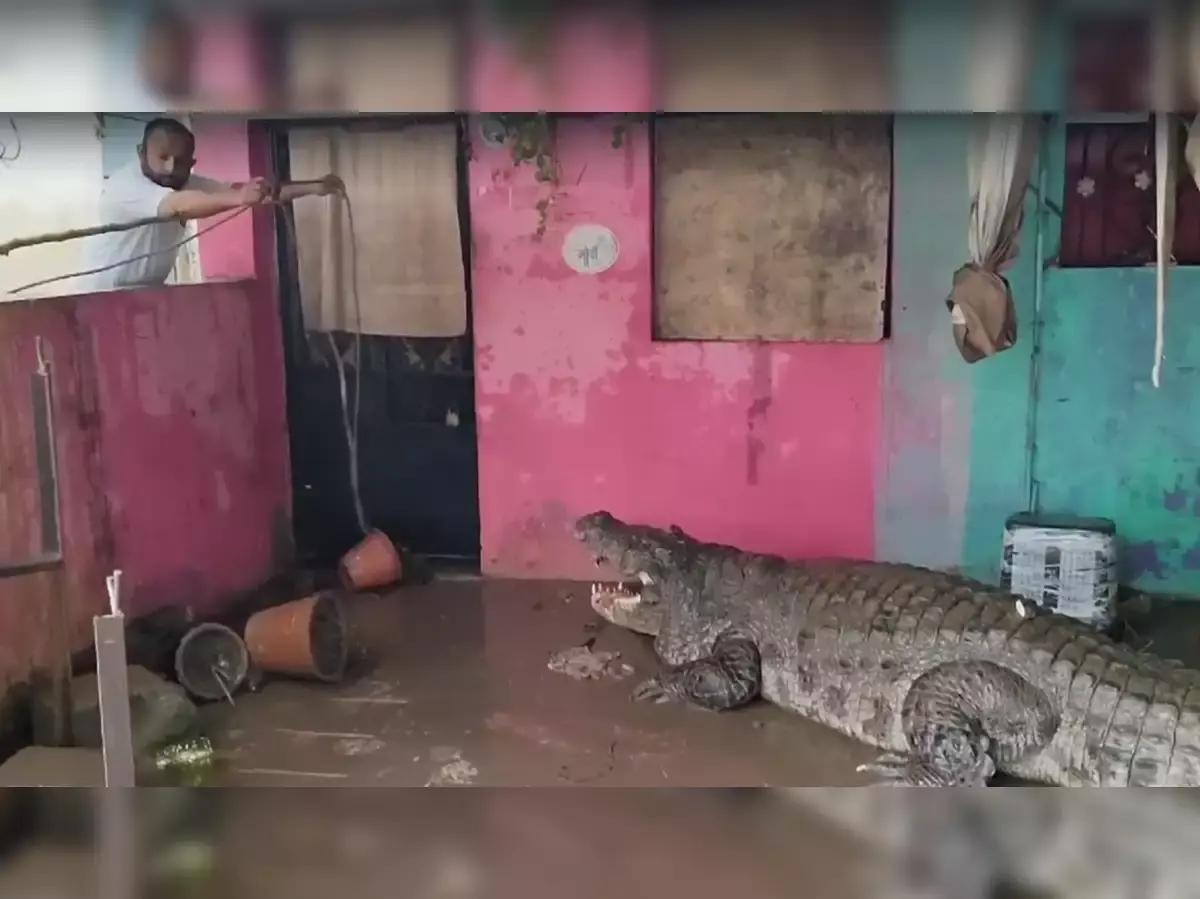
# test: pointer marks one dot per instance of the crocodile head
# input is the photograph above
(640, 559)
(663, 589)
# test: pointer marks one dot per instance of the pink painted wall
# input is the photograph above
(224, 151)
(594, 61)
(193, 441)
(229, 70)
(770, 446)
(172, 443)
(28, 602)
(171, 440)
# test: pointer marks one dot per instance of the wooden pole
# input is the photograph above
(116, 844)
(74, 233)
(58, 236)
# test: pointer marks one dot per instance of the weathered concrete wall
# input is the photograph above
(926, 409)
(897, 451)
(171, 444)
(954, 435)
(592, 61)
(28, 604)
(772, 446)
(1108, 443)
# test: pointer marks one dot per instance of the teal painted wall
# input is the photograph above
(1108, 443)
(1000, 418)
(957, 459)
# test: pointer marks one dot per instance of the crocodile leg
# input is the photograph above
(965, 720)
(728, 677)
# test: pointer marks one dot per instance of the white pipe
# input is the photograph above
(1163, 182)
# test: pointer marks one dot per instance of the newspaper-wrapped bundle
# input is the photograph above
(1068, 566)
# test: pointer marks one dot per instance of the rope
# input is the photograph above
(351, 428)
(171, 249)
(350, 425)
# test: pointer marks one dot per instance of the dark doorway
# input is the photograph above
(418, 466)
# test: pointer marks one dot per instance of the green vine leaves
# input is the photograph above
(531, 141)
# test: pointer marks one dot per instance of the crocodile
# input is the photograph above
(953, 680)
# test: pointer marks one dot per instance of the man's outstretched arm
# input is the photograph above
(198, 204)
(330, 184)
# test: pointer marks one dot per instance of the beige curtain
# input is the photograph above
(378, 65)
(999, 55)
(999, 162)
(403, 188)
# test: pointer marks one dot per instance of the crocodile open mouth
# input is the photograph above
(628, 604)
(625, 595)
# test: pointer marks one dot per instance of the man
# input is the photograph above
(161, 183)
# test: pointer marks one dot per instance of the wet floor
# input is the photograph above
(452, 687)
(458, 844)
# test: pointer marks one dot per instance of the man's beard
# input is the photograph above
(172, 181)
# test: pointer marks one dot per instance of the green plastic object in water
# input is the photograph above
(190, 761)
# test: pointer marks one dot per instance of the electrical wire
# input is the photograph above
(171, 249)
(4, 156)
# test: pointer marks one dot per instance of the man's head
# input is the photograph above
(167, 153)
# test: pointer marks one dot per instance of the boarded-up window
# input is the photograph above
(772, 227)
(762, 54)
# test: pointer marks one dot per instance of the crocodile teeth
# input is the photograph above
(645, 578)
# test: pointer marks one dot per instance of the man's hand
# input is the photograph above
(198, 204)
(327, 186)
(254, 192)
(331, 184)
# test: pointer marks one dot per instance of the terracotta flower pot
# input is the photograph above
(374, 562)
(302, 638)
